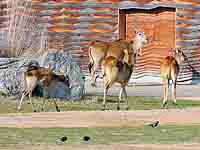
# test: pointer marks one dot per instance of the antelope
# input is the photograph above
(169, 70)
(35, 74)
(115, 70)
(98, 52)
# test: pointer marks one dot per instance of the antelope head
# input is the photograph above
(179, 55)
(139, 41)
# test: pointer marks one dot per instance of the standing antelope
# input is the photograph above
(169, 70)
(35, 74)
(98, 52)
(115, 70)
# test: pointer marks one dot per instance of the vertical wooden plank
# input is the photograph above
(122, 24)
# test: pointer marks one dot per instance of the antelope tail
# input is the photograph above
(103, 68)
(90, 65)
(91, 61)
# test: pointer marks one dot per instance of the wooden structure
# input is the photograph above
(167, 23)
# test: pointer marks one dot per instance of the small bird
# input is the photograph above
(86, 138)
(154, 124)
(63, 139)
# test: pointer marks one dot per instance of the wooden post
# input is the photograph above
(122, 24)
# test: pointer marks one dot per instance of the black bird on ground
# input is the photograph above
(63, 139)
(154, 124)
(86, 138)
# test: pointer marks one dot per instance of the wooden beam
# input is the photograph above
(122, 24)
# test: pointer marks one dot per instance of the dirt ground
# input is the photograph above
(105, 119)
(100, 118)
(154, 89)
(112, 147)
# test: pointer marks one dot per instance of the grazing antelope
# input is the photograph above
(169, 70)
(35, 74)
(115, 70)
(98, 52)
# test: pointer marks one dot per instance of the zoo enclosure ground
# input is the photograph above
(184, 91)
(110, 119)
(194, 146)
(100, 119)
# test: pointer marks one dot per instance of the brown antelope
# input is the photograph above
(115, 70)
(35, 74)
(169, 70)
(98, 52)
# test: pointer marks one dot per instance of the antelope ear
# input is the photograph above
(177, 50)
(136, 30)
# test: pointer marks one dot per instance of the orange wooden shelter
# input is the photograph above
(167, 23)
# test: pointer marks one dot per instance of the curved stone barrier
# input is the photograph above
(12, 69)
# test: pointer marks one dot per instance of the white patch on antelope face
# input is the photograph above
(182, 56)
(179, 56)
(142, 37)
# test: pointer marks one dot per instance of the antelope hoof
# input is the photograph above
(103, 108)
(42, 109)
(127, 108)
(164, 104)
(118, 108)
(19, 109)
(34, 110)
(93, 84)
(57, 109)
(174, 103)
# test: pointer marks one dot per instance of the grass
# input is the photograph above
(166, 134)
(90, 103)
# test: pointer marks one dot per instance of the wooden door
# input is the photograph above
(159, 26)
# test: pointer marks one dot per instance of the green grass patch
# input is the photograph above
(166, 134)
(94, 103)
